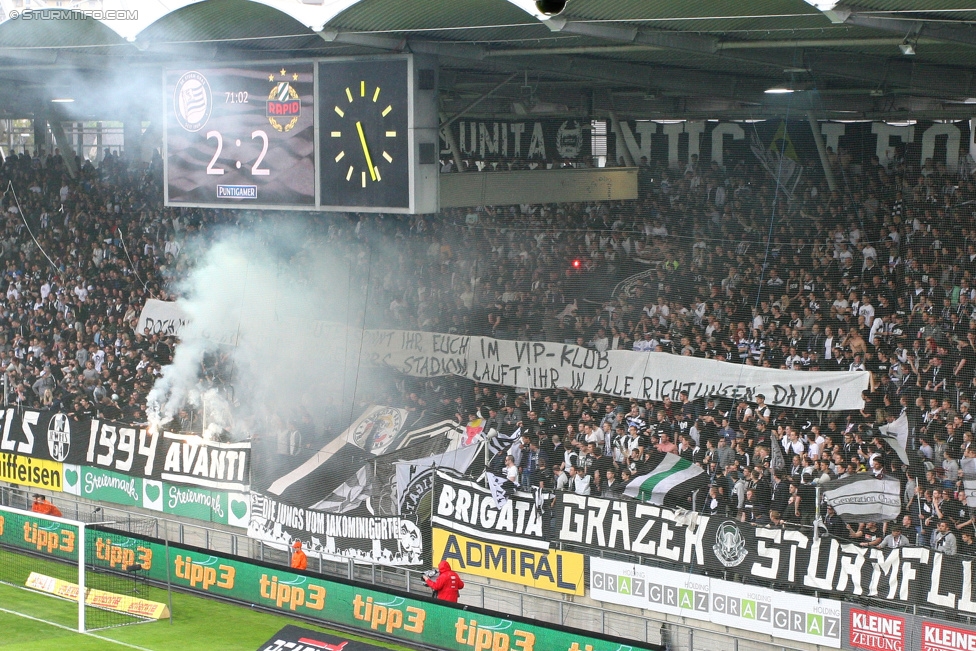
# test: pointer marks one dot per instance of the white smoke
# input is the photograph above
(284, 307)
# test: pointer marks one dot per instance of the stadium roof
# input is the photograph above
(638, 58)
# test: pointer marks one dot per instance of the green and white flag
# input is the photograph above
(668, 482)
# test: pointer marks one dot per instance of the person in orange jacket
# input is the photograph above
(447, 585)
(44, 507)
(298, 559)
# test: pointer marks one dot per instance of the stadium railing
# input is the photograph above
(562, 609)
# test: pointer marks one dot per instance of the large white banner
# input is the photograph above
(624, 373)
(162, 317)
(750, 607)
(548, 365)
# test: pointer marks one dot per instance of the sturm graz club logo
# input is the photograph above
(730, 546)
(193, 101)
(59, 436)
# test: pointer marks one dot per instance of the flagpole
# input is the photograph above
(816, 515)
(921, 523)
(485, 444)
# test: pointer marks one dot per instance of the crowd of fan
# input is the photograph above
(876, 276)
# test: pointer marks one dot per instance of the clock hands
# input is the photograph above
(369, 159)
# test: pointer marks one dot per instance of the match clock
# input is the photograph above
(241, 136)
(365, 134)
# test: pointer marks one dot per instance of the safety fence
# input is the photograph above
(564, 610)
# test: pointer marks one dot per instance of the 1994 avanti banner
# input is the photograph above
(48, 437)
(629, 374)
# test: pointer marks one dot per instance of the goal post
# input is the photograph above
(82, 575)
(36, 545)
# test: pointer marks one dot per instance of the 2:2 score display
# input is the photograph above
(256, 169)
(241, 135)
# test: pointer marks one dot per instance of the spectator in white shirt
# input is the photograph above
(579, 482)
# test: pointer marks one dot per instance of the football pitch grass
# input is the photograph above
(199, 624)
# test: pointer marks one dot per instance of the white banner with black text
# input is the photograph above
(624, 373)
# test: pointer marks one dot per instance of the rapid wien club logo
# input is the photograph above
(284, 102)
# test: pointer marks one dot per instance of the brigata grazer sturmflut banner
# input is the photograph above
(909, 575)
(125, 448)
(625, 373)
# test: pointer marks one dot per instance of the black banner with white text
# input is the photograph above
(134, 450)
(788, 557)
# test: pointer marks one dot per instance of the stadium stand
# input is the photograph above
(877, 278)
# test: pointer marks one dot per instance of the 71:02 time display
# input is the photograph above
(239, 97)
(256, 169)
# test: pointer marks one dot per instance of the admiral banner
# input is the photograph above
(358, 535)
(468, 508)
(550, 570)
(625, 373)
(754, 608)
(909, 575)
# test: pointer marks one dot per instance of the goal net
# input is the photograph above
(54, 560)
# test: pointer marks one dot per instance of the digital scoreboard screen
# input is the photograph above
(241, 137)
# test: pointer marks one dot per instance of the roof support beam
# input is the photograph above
(813, 42)
(895, 73)
(954, 33)
(659, 38)
(902, 75)
(657, 77)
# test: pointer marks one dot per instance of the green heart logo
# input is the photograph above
(71, 476)
(152, 492)
(238, 508)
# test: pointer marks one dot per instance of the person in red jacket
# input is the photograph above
(41, 505)
(299, 561)
(447, 585)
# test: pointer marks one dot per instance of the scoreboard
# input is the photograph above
(357, 134)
